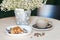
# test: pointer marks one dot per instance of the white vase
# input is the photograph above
(22, 16)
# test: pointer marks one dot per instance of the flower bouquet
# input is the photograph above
(23, 4)
(22, 8)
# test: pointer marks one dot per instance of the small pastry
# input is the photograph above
(16, 30)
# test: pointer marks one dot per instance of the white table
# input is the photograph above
(53, 34)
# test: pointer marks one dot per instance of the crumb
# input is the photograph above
(43, 33)
(39, 34)
(31, 37)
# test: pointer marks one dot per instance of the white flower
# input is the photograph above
(23, 4)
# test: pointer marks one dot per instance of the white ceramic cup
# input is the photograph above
(42, 23)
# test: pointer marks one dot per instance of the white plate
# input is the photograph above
(28, 28)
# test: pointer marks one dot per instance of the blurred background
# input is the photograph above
(50, 10)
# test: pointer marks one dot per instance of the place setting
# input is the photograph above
(20, 31)
(43, 25)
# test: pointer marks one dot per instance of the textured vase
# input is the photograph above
(22, 16)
